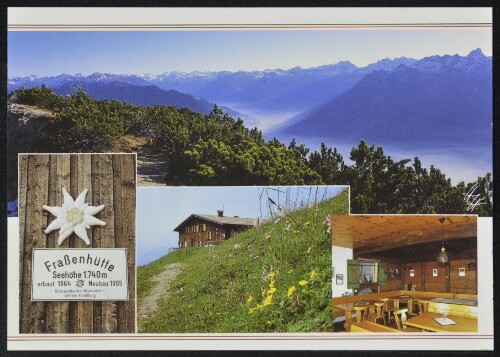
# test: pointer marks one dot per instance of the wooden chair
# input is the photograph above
(423, 306)
(378, 313)
(388, 308)
(360, 313)
(400, 317)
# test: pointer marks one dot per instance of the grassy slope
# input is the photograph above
(250, 283)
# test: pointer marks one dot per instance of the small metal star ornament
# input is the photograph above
(74, 216)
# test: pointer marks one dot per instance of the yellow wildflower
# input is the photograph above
(271, 275)
(291, 290)
(307, 223)
(313, 274)
(190, 306)
(302, 282)
(290, 271)
(250, 299)
(272, 291)
(296, 232)
(271, 285)
(253, 309)
(268, 300)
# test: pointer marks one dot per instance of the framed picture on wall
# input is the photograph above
(434, 272)
(461, 271)
(412, 273)
(393, 273)
(339, 279)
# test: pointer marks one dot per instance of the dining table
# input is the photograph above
(427, 322)
(348, 309)
(402, 298)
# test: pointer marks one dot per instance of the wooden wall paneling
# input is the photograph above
(125, 202)
(33, 313)
(57, 318)
(462, 284)
(82, 314)
(447, 277)
(96, 231)
(23, 255)
(422, 276)
(392, 283)
(104, 195)
(432, 283)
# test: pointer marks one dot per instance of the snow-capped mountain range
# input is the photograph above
(334, 99)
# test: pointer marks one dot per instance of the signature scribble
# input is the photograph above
(474, 199)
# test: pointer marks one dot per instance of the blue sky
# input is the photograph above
(160, 210)
(134, 52)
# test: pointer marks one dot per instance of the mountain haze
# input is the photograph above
(434, 99)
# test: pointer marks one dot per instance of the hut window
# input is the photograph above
(204, 227)
(209, 235)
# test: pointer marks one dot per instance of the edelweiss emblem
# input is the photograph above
(74, 216)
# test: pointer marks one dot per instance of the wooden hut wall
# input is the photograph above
(213, 230)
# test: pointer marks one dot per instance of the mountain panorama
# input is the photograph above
(433, 99)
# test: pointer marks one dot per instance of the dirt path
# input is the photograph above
(151, 167)
(149, 304)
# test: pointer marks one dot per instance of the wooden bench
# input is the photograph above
(337, 313)
(453, 309)
(367, 326)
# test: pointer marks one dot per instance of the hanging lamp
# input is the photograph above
(442, 257)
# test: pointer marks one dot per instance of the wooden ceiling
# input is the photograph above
(375, 233)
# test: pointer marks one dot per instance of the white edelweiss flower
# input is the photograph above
(74, 216)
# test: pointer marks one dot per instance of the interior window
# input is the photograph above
(369, 272)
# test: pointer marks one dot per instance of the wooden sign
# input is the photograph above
(110, 180)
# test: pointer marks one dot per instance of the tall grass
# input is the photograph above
(274, 278)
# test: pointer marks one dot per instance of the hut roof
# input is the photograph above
(232, 221)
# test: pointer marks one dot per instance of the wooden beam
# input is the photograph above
(385, 244)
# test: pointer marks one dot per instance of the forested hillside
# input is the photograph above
(216, 149)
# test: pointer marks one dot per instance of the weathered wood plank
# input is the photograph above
(33, 313)
(119, 220)
(81, 179)
(24, 254)
(109, 215)
(23, 181)
(125, 201)
(57, 312)
(129, 210)
(96, 233)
